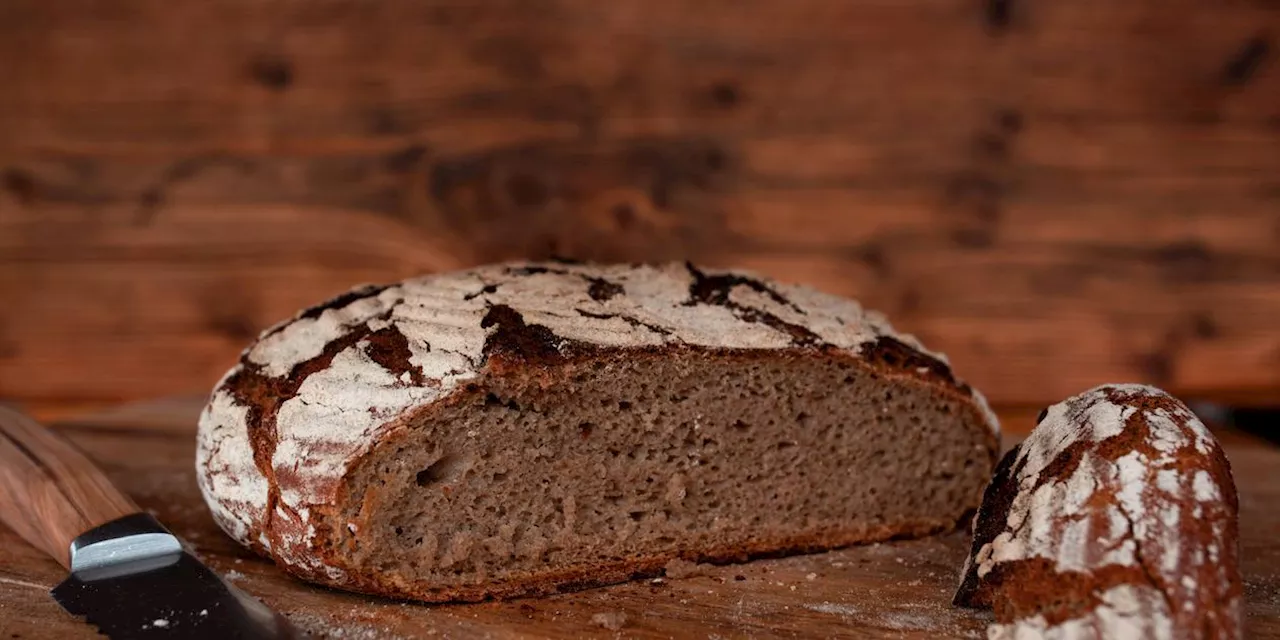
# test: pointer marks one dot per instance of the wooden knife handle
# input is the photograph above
(49, 491)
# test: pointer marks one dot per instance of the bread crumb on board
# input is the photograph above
(611, 620)
(678, 569)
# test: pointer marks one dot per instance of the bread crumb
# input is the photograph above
(678, 568)
(160, 622)
(811, 577)
(793, 587)
(657, 581)
(611, 620)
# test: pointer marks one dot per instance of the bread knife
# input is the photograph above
(130, 577)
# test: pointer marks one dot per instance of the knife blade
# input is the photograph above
(129, 575)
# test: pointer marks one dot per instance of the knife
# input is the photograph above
(130, 576)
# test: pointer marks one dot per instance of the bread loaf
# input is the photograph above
(531, 428)
(1115, 518)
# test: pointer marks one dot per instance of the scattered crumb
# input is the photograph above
(811, 577)
(204, 612)
(233, 575)
(160, 622)
(793, 587)
(678, 569)
(657, 581)
(611, 620)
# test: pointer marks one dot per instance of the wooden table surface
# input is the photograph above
(888, 590)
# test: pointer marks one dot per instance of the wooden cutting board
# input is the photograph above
(892, 590)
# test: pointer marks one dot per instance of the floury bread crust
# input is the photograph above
(1115, 518)
(528, 428)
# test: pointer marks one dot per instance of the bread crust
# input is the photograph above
(314, 394)
(1116, 516)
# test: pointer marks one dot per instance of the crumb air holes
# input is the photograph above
(442, 470)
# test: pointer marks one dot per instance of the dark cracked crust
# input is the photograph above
(1159, 435)
(293, 534)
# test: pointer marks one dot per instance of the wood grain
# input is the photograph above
(1055, 194)
(894, 590)
(49, 491)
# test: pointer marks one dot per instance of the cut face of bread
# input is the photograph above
(612, 467)
(515, 444)
(1116, 518)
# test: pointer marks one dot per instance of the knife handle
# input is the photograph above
(50, 492)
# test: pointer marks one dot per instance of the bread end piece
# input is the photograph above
(1116, 517)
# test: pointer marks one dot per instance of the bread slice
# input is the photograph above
(1116, 518)
(533, 428)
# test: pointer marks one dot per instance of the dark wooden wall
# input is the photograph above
(1056, 193)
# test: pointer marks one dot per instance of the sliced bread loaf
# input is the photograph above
(532, 428)
(1116, 518)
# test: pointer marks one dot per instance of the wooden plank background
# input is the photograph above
(1056, 194)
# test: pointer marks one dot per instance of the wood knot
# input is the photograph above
(725, 95)
(272, 72)
(21, 185)
(1241, 67)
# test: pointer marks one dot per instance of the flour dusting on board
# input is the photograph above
(938, 619)
(339, 629)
